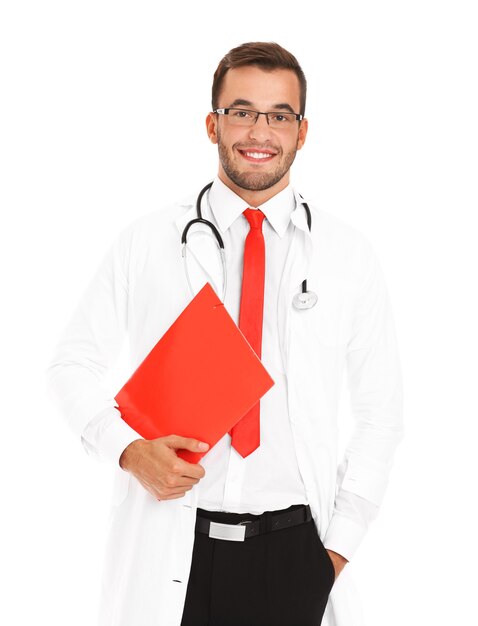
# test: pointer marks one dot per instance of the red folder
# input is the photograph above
(199, 379)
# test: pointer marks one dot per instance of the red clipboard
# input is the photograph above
(200, 378)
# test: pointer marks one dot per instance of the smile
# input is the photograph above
(256, 156)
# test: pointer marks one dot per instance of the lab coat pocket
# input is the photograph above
(326, 560)
(330, 318)
(332, 568)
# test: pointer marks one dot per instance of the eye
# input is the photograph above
(242, 113)
(281, 118)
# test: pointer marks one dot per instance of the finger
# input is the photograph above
(182, 468)
(186, 443)
(184, 481)
(171, 496)
(171, 483)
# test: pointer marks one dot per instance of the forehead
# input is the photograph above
(260, 87)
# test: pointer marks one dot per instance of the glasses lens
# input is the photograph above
(241, 117)
(281, 120)
(245, 117)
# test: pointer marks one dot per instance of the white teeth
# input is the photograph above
(258, 155)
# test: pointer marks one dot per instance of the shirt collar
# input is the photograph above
(227, 206)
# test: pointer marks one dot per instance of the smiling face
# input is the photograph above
(254, 161)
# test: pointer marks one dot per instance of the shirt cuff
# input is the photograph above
(343, 536)
(109, 435)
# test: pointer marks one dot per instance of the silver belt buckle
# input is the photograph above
(228, 532)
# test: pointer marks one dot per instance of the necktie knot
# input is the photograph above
(255, 217)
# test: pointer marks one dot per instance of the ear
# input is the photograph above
(303, 128)
(211, 127)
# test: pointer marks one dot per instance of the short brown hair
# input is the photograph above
(266, 55)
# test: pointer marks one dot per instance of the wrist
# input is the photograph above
(338, 561)
(129, 453)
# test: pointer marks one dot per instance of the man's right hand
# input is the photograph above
(158, 468)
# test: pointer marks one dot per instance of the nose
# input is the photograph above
(260, 129)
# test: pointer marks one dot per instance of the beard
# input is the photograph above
(255, 181)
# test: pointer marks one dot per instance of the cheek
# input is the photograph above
(225, 139)
(294, 144)
(287, 147)
(237, 137)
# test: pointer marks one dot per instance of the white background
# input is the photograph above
(102, 117)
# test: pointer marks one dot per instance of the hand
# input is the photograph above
(158, 468)
(338, 561)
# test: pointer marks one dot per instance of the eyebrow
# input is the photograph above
(282, 106)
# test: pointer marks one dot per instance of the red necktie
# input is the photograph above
(246, 433)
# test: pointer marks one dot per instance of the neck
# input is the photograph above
(251, 197)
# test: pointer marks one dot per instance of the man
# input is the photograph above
(278, 474)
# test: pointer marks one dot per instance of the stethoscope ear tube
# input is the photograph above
(200, 220)
(199, 198)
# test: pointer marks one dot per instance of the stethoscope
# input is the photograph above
(303, 300)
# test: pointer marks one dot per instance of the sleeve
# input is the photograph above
(90, 343)
(374, 382)
(107, 435)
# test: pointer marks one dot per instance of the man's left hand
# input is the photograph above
(338, 561)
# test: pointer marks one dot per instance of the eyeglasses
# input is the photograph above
(246, 117)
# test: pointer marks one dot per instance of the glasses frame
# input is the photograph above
(298, 116)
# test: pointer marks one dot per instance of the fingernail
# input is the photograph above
(203, 446)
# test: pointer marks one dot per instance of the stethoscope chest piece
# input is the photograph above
(305, 300)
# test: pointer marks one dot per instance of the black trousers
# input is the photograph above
(280, 578)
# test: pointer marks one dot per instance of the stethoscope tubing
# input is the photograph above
(303, 300)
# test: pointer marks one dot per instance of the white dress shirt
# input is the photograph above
(269, 478)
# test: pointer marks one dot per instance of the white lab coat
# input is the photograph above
(349, 331)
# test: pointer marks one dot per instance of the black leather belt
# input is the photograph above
(253, 527)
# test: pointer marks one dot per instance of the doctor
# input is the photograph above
(261, 531)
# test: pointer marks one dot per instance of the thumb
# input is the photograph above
(186, 443)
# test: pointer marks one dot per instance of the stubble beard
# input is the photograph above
(254, 181)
